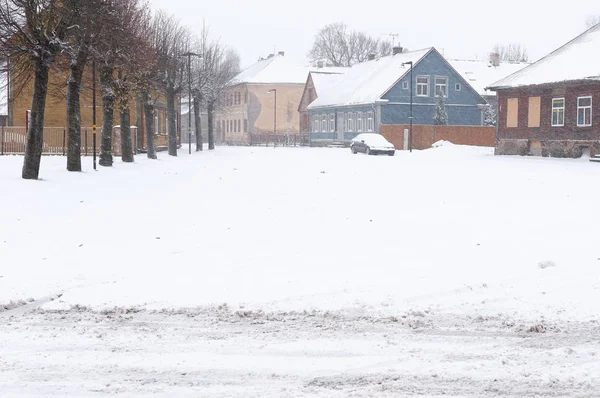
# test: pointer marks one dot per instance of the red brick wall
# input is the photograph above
(570, 131)
(425, 136)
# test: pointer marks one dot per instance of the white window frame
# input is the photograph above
(458, 87)
(370, 124)
(351, 122)
(332, 123)
(359, 123)
(584, 108)
(421, 85)
(441, 85)
(324, 123)
(564, 105)
(405, 85)
(316, 125)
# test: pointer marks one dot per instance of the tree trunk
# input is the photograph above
(74, 112)
(35, 134)
(126, 145)
(211, 133)
(108, 103)
(171, 120)
(198, 123)
(149, 117)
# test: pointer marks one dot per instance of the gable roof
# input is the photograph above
(366, 82)
(277, 69)
(480, 74)
(579, 59)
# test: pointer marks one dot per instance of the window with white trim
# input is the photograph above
(558, 112)
(441, 86)
(584, 111)
(370, 122)
(360, 122)
(324, 124)
(350, 122)
(316, 126)
(332, 123)
(422, 86)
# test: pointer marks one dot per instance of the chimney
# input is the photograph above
(397, 50)
(371, 57)
(495, 59)
(270, 56)
(320, 64)
(281, 53)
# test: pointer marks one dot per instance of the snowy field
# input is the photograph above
(296, 272)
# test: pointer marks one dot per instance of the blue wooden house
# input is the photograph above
(377, 92)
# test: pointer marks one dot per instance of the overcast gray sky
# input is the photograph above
(458, 28)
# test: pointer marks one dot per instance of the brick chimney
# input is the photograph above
(397, 50)
(371, 57)
(281, 53)
(495, 59)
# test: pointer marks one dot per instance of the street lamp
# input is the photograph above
(189, 55)
(93, 110)
(410, 134)
(274, 90)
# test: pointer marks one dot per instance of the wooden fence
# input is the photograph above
(279, 139)
(12, 141)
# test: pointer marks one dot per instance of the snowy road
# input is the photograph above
(217, 352)
(296, 272)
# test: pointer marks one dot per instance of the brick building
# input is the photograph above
(548, 108)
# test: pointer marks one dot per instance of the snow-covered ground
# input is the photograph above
(295, 272)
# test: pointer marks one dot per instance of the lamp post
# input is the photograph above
(410, 134)
(93, 110)
(189, 55)
(274, 91)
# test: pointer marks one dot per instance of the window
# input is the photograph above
(350, 122)
(534, 112)
(422, 86)
(324, 124)
(584, 111)
(359, 122)
(317, 126)
(512, 113)
(458, 87)
(370, 124)
(246, 97)
(441, 86)
(245, 125)
(332, 122)
(405, 85)
(558, 112)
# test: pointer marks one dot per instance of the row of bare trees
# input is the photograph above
(137, 53)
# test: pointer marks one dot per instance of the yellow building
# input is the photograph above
(250, 101)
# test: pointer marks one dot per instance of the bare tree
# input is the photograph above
(172, 41)
(221, 65)
(513, 52)
(32, 33)
(81, 45)
(116, 51)
(592, 21)
(339, 46)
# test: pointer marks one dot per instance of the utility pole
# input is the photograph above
(274, 114)
(393, 36)
(410, 134)
(189, 56)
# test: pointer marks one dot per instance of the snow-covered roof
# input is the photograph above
(3, 90)
(323, 81)
(366, 82)
(277, 69)
(480, 74)
(577, 60)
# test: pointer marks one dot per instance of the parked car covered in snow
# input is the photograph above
(372, 144)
